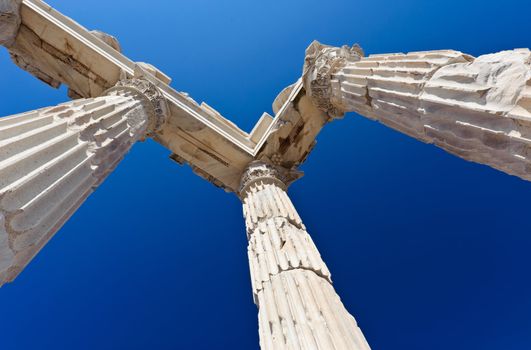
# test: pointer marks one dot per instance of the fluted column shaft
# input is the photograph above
(53, 158)
(476, 108)
(298, 306)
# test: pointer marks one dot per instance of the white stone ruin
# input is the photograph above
(53, 158)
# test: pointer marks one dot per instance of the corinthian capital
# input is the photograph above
(321, 62)
(263, 172)
(157, 107)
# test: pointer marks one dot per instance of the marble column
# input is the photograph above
(476, 108)
(298, 306)
(51, 159)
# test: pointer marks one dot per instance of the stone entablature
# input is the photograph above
(53, 158)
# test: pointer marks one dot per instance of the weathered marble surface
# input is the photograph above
(59, 51)
(9, 21)
(53, 158)
(292, 287)
(476, 108)
(393, 89)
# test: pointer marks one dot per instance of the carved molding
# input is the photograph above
(158, 110)
(108, 39)
(321, 62)
(266, 172)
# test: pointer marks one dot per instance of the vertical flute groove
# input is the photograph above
(53, 158)
(476, 108)
(292, 287)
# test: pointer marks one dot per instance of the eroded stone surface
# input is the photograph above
(292, 287)
(476, 108)
(321, 62)
(53, 158)
(108, 39)
(9, 21)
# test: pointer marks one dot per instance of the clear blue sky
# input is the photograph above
(426, 250)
